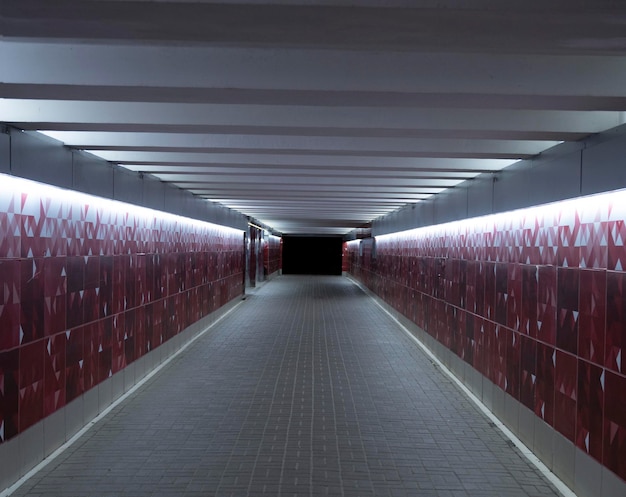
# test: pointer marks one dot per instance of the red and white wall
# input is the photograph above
(264, 255)
(88, 287)
(272, 255)
(534, 301)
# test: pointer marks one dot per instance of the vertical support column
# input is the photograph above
(252, 255)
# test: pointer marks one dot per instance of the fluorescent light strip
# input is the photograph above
(11, 184)
(611, 204)
(256, 226)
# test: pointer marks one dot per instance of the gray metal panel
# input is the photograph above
(397, 220)
(425, 213)
(5, 150)
(127, 186)
(153, 193)
(480, 195)
(208, 211)
(197, 207)
(174, 199)
(37, 157)
(604, 166)
(218, 214)
(194, 206)
(233, 219)
(510, 190)
(451, 205)
(92, 175)
(388, 223)
(239, 221)
(554, 175)
(408, 217)
(556, 179)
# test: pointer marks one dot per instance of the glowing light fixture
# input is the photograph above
(11, 184)
(600, 207)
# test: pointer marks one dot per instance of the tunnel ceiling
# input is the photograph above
(313, 117)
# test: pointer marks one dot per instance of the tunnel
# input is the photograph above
(369, 248)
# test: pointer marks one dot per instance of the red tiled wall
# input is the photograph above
(254, 254)
(535, 300)
(273, 253)
(87, 288)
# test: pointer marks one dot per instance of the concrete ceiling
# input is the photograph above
(313, 116)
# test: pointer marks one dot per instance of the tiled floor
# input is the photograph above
(307, 389)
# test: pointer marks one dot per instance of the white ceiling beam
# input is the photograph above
(321, 196)
(290, 179)
(344, 98)
(43, 111)
(295, 160)
(286, 205)
(423, 148)
(328, 70)
(376, 204)
(305, 172)
(419, 165)
(177, 142)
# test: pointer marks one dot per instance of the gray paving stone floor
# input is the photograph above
(307, 389)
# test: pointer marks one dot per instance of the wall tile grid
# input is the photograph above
(272, 254)
(85, 291)
(534, 299)
(254, 258)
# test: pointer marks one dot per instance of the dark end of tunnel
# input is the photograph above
(312, 255)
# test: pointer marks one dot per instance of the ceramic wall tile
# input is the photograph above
(615, 348)
(31, 383)
(105, 287)
(568, 283)
(32, 305)
(54, 373)
(565, 393)
(91, 337)
(9, 393)
(74, 360)
(490, 291)
(10, 224)
(544, 387)
(592, 318)
(10, 295)
(55, 295)
(593, 243)
(513, 363)
(477, 342)
(616, 249)
(105, 349)
(499, 351)
(614, 453)
(590, 409)
(528, 370)
(546, 304)
(528, 315)
(514, 305)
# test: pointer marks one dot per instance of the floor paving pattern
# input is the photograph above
(307, 389)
